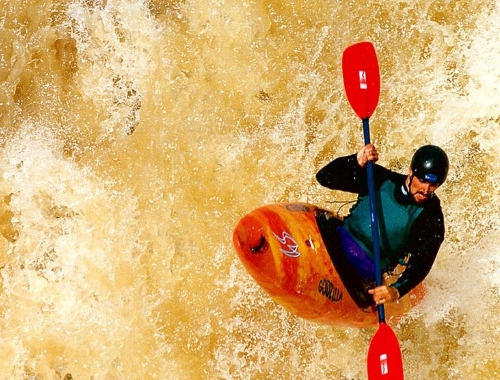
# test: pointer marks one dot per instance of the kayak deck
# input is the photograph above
(281, 247)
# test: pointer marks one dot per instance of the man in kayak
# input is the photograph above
(411, 222)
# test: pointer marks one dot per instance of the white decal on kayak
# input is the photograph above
(362, 80)
(290, 243)
(310, 243)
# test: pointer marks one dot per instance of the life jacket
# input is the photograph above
(395, 214)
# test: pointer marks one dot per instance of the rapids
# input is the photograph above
(134, 134)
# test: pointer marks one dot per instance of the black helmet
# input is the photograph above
(430, 164)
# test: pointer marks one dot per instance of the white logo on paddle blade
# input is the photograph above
(362, 80)
(384, 370)
(288, 241)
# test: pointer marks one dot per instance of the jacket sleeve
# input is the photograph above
(345, 174)
(426, 237)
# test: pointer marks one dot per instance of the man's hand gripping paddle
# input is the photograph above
(362, 86)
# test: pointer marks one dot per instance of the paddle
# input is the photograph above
(362, 86)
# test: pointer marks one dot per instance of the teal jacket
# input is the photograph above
(405, 229)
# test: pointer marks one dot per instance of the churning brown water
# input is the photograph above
(134, 135)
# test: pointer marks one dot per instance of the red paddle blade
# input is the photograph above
(384, 356)
(361, 78)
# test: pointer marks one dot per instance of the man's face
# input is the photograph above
(420, 190)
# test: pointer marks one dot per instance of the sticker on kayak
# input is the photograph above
(289, 245)
(329, 290)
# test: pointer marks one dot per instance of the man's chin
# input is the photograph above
(420, 198)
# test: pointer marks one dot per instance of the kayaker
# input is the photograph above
(411, 222)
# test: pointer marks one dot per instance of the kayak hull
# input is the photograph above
(281, 247)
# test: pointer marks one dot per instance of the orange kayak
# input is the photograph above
(281, 247)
